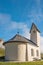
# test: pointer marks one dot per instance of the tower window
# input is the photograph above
(34, 31)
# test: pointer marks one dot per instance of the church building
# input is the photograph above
(22, 49)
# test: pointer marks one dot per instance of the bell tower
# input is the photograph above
(35, 34)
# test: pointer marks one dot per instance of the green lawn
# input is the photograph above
(22, 63)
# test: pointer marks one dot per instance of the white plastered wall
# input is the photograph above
(29, 47)
(15, 51)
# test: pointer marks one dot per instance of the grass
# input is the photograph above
(22, 63)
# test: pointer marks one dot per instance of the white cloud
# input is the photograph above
(9, 25)
(26, 32)
(19, 26)
(36, 14)
(4, 18)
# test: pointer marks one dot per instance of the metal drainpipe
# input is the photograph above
(26, 53)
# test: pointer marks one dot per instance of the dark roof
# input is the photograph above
(35, 27)
(19, 38)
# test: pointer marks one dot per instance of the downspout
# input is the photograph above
(26, 53)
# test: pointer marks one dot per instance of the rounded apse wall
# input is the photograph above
(15, 51)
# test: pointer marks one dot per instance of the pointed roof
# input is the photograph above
(35, 27)
(19, 38)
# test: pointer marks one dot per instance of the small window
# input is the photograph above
(32, 52)
(37, 52)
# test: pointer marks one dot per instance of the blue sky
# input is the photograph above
(18, 15)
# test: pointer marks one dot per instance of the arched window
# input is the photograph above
(32, 52)
(37, 52)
